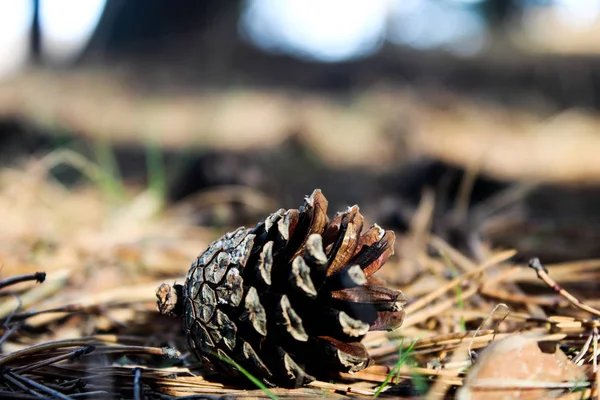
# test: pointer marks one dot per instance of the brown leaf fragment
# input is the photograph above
(515, 368)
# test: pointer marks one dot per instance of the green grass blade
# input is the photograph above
(109, 179)
(156, 171)
(248, 375)
(457, 290)
(402, 359)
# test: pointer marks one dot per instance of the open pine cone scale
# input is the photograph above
(291, 298)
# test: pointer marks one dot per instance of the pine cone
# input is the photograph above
(290, 299)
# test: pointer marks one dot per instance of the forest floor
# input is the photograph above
(481, 323)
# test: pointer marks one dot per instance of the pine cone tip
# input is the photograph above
(169, 299)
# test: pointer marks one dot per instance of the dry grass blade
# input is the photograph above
(507, 384)
(460, 356)
(422, 302)
(73, 355)
(596, 370)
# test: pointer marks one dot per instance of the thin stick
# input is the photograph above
(22, 386)
(58, 344)
(9, 317)
(102, 394)
(542, 273)
(39, 277)
(9, 332)
(38, 386)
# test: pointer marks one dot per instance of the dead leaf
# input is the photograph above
(516, 368)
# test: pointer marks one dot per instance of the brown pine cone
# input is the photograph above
(290, 299)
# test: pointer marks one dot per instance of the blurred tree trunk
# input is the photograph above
(196, 44)
(151, 28)
(499, 14)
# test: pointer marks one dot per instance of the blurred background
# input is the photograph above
(481, 115)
